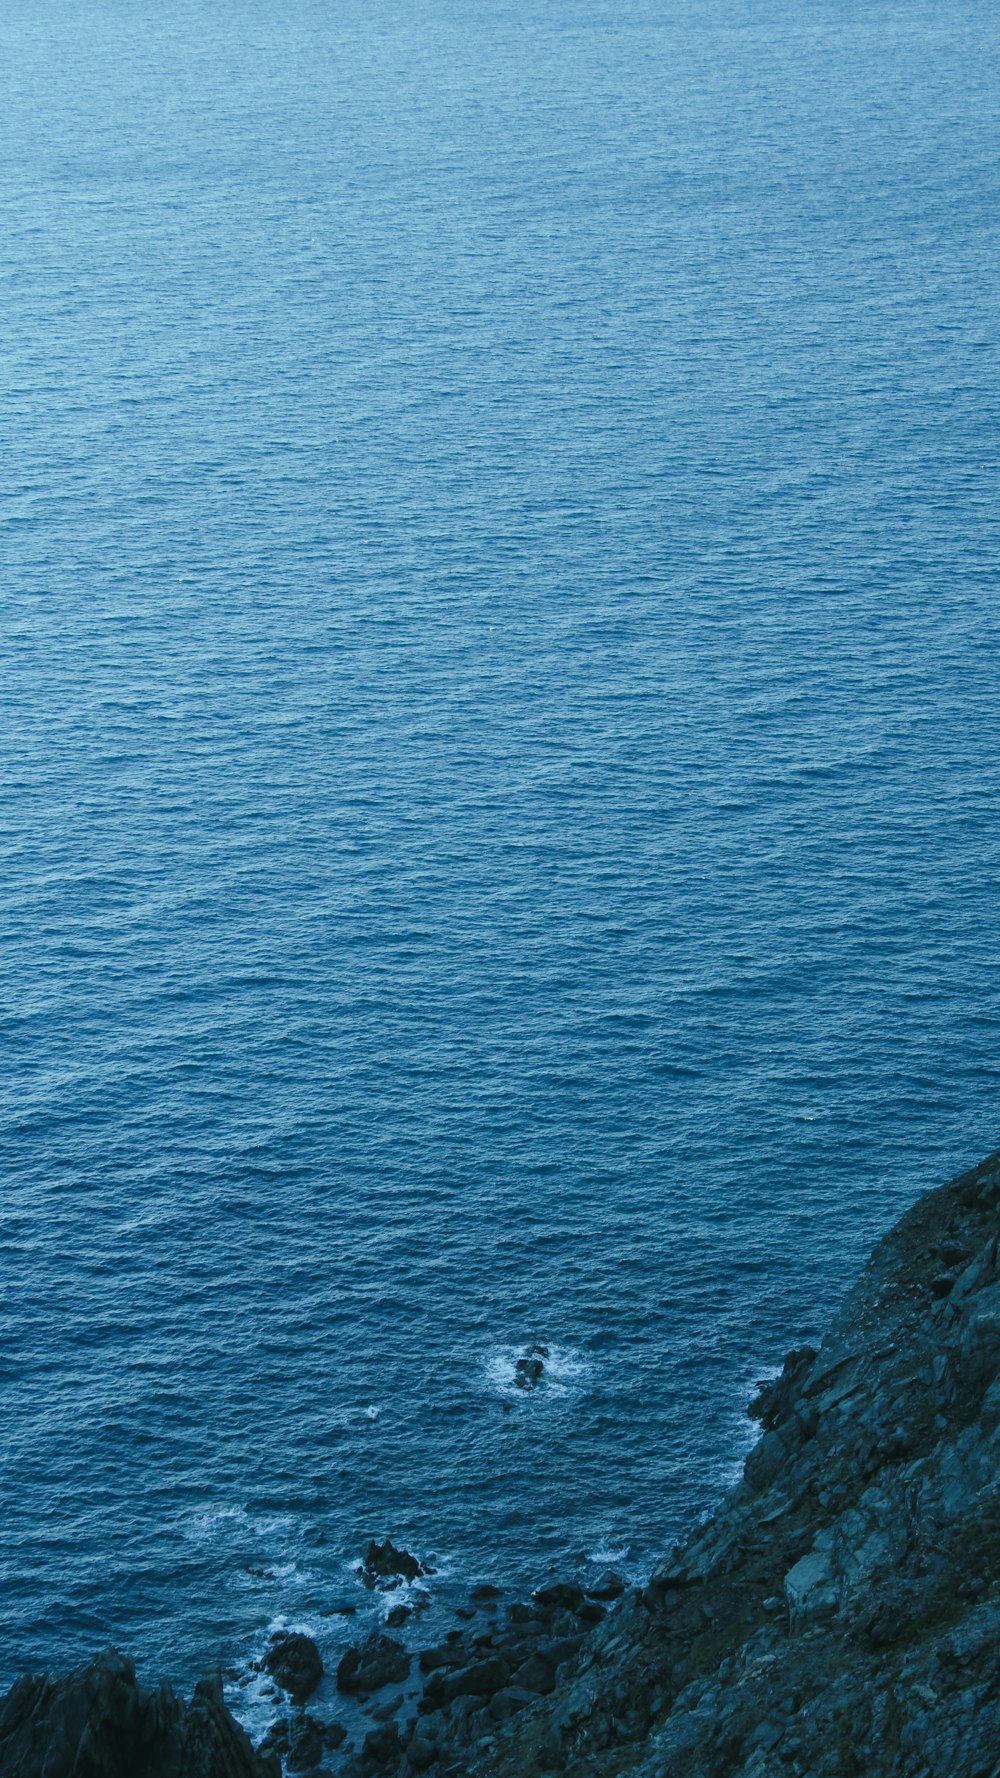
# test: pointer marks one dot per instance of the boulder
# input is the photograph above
(479, 1680)
(560, 1595)
(422, 1749)
(382, 1746)
(295, 1663)
(380, 1660)
(534, 1675)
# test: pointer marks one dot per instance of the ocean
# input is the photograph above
(498, 744)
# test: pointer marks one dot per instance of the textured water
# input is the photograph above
(498, 750)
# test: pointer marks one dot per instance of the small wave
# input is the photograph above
(274, 1574)
(212, 1523)
(608, 1555)
(359, 1417)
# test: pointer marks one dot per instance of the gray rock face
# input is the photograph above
(99, 1722)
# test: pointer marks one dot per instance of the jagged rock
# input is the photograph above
(380, 1660)
(306, 1742)
(444, 1654)
(295, 1663)
(384, 1562)
(422, 1748)
(776, 1397)
(99, 1722)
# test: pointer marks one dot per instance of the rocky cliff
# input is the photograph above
(839, 1615)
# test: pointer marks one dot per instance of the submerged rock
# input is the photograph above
(99, 1722)
(530, 1367)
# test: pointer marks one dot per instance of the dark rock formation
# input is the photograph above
(379, 1661)
(384, 1562)
(530, 1367)
(99, 1722)
(295, 1663)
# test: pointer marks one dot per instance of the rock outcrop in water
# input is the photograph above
(99, 1722)
(839, 1616)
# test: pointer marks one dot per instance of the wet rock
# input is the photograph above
(608, 1585)
(591, 1613)
(99, 1722)
(518, 1612)
(485, 1592)
(276, 1739)
(383, 1562)
(306, 1742)
(295, 1663)
(530, 1367)
(776, 1396)
(398, 1616)
(379, 1661)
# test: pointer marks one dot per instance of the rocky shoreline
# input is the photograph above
(839, 1616)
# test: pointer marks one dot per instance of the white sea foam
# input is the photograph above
(744, 1431)
(607, 1555)
(563, 1374)
(213, 1523)
(359, 1417)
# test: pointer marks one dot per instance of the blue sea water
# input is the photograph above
(498, 744)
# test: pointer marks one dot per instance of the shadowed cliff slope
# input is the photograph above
(841, 1613)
